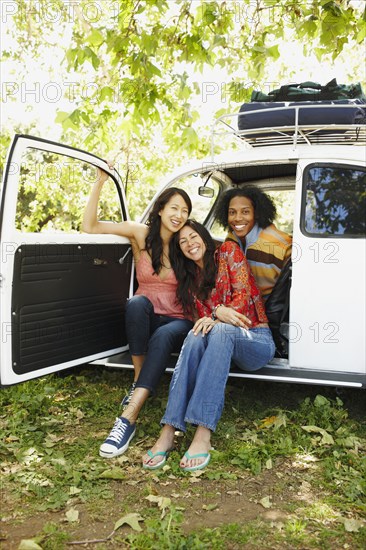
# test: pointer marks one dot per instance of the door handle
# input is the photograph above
(121, 260)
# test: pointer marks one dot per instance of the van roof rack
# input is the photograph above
(293, 135)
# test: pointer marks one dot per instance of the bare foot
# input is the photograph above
(163, 444)
(201, 444)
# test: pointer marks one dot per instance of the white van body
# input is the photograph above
(63, 292)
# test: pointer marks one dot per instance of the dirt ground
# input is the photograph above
(275, 496)
(204, 503)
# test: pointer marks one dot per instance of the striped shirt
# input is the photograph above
(267, 251)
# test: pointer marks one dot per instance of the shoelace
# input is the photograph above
(118, 431)
(126, 400)
(132, 389)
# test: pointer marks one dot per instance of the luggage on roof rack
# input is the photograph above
(277, 114)
(311, 91)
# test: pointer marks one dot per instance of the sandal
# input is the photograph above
(164, 454)
(203, 464)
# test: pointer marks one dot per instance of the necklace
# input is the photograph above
(162, 261)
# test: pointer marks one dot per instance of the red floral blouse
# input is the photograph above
(235, 286)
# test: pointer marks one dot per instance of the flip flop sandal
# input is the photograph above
(203, 464)
(160, 464)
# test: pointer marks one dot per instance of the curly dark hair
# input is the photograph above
(192, 281)
(264, 207)
(153, 242)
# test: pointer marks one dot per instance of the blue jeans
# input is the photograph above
(197, 388)
(153, 335)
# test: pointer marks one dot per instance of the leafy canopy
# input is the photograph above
(130, 67)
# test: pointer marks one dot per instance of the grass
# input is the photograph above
(288, 470)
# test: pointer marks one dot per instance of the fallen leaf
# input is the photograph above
(269, 465)
(162, 502)
(132, 520)
(113, 473)
(29, 544)
(210, 507)
(76, 412)
(266, 502)
(327, 439)
(60, 461)
(122, 459)
(72, 515)
(197, 473)
(353, 525)
(74, 491)
(267, 422)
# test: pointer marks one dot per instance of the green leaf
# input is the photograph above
(95, 38)
(92, 56)
(362, 34)
(350, 442)
(327, 439)
(132, 520)
(71, 56)
(321, 401)
(153, 69)
(273, 52)
(67, 124)
(80, 54)
(189, 136)
(61, 116)
(113, 473)
(106, 93)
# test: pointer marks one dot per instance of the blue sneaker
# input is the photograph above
(119, 439)
(127, 398)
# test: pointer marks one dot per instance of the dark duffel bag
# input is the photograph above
(277, 310)
(312, 91)
(324, 112)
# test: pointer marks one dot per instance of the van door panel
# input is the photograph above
(63, 292)
(67, 303)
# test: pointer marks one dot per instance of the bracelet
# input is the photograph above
(213, 314)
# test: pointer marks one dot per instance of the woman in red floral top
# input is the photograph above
(218, 289)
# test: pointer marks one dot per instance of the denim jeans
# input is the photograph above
(155, 336)
(197, 388)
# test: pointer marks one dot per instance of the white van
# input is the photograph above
(63, 292)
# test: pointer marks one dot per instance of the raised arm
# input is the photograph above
(134, 231)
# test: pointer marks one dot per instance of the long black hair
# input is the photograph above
(154, 242)
(264, 207)
(192, 281)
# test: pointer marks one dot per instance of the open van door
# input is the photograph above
(63, 293)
